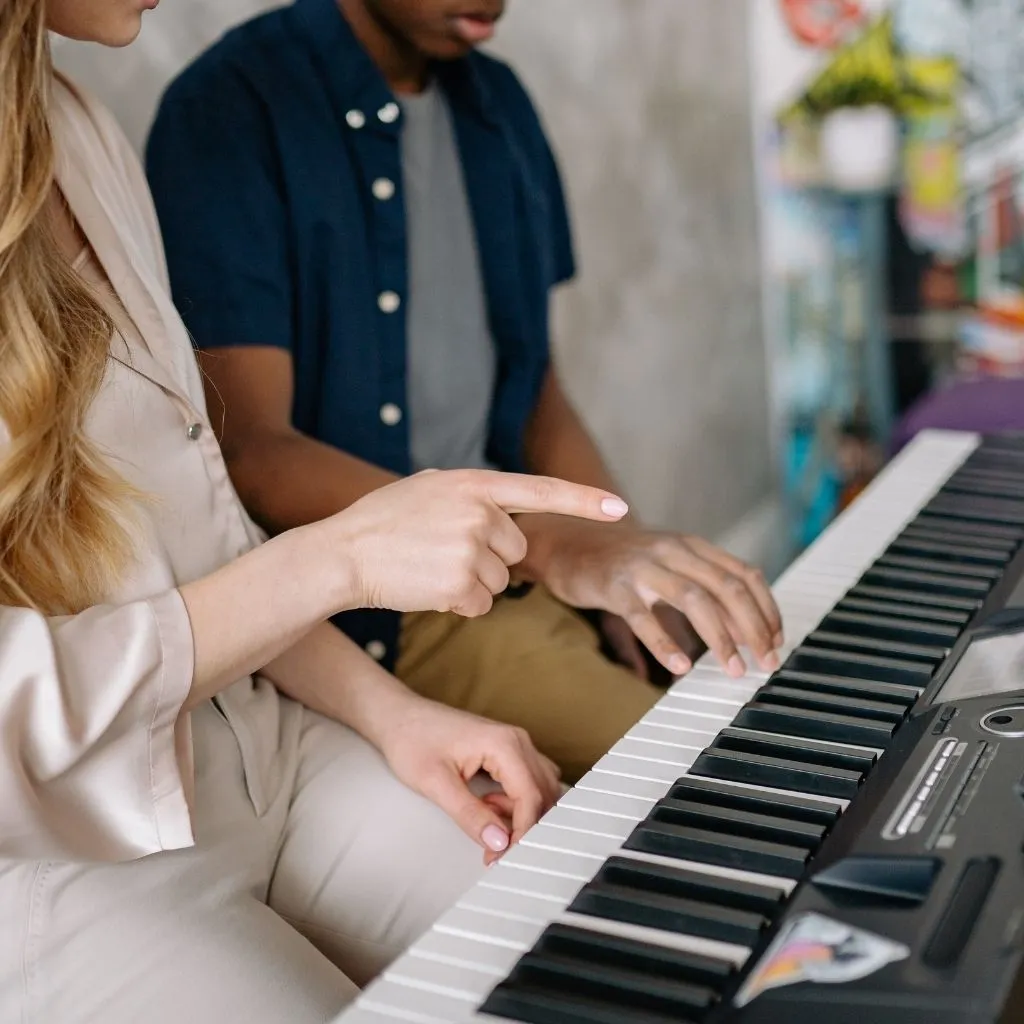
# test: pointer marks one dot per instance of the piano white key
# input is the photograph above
(483, 927)
(461, 981)
(577, 819)
(417, 1005)
(362, 1014)
(634, 768)
(629, 808)
(560, 865)
(437, 947)
(640, 750)
(523, 878)
(561, 840)
(673, 718)
(619, 783)
(673, 735)
(697, 714)
(515, 905)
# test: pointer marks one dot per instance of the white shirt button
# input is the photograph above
(383, 189)
(390, 414)
(388, 302)
(389, 113)
(355, 118)
(194, 431)
(376, 650)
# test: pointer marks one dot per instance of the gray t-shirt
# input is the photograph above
(450, 360)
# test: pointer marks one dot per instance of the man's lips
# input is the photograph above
(473, 28)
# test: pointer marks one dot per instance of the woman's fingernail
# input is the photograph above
(678, 665)
(736, 666)
(779, 639)
(614, 507)
(770, 662)
(495, 838)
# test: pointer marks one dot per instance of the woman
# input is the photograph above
(182, 839)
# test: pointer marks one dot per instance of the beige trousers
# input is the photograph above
(266, 920)
(532, 662)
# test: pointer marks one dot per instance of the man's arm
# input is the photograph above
(557, 444)
(283, 477)
(626, 570)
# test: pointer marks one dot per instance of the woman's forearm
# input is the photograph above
(330, 674)
(247, 613)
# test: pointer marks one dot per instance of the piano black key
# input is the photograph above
(842, 704)
(717, 848)
(912, 595)
(735, 822)
(817, 752)
(820, 725)
(538, 1004)
(997, 547)
(884, 627)
(898, 610)
(975, 529)
(717, 794)
(777, 772)
(567, 940)
(896, 693)
(1002, 512)
(930, 654)
(985, 483)
(695, 885)
(935, 583)
(858, 666)
(946, 567)
(607, 981)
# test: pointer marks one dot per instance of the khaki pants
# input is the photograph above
(267, 920)
(531, 662)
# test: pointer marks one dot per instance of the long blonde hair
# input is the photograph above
(62, 541)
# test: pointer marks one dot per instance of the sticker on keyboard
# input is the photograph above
(812, 947)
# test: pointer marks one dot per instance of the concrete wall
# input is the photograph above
(660, 339)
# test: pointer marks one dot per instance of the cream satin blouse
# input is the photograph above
(95, 752)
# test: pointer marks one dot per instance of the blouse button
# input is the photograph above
(355, 118)
(376, 650)
(389, 113)
(194, 431)
(388, 302)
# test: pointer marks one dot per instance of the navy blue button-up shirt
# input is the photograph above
(262, 161)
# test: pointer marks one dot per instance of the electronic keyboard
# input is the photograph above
(839, 841)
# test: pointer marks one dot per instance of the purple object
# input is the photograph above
(985, 405)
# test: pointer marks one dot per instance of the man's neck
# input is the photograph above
(404, 68)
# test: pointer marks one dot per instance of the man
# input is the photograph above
(363, 221)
